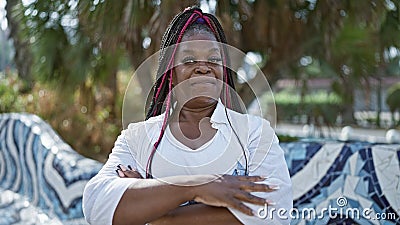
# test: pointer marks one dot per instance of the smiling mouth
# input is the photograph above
(207, 81)
(200, 83)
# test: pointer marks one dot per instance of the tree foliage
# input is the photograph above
(80, 45)
(75, 39)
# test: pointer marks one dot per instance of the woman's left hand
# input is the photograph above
(124, 172)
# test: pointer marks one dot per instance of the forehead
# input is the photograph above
(199, 43)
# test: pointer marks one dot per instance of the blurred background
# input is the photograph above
(333, 65)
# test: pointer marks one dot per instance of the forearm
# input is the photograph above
(198, 214)
(148, 199)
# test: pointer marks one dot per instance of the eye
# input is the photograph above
(215, 60)
(189, 60)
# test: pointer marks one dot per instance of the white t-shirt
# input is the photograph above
(223, 154)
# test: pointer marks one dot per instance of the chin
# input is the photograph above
(205, 91)
(202, 101)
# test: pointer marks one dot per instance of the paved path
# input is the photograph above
(306, 131)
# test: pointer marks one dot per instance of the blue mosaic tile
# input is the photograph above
(398, 157)
(361, 189)
(346, 169)
(353, 203)
(335, 185)
(367, 187)
(298, 154)
(25, 157)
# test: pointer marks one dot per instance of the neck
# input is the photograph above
(194, 115)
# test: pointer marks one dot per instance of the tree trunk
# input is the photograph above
(348, 103)
(113, 87)
(23, 56)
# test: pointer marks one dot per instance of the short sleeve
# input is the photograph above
(267, 159)
(104, 191)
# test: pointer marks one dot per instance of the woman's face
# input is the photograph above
(198, 75)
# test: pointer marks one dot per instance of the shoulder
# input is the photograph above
(255, 128)
(139, 129)
(152, 121)
(247, 120)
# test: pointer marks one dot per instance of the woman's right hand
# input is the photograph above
(231, 191)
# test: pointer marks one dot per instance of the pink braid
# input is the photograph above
(190, 20)
(209, 24)
(227, 96)
(164, 125)
(173, 54)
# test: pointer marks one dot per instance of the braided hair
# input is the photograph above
(183, 23)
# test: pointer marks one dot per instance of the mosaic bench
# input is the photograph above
(42, 178)
(359, 182)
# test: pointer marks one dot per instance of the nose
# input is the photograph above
(202, 67)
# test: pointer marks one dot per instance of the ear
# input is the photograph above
(173, 80)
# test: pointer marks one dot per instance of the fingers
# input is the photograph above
(122, 171)
(132, 174)
(248, 184)
(255, 187)
(251, 178)
(122, 167)
(238, 205)
(247, 197)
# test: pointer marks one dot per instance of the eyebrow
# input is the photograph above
(215, 49)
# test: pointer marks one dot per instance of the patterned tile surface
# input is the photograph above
(42, 178)
(361, 181)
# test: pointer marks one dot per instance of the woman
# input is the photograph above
(212, 165)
